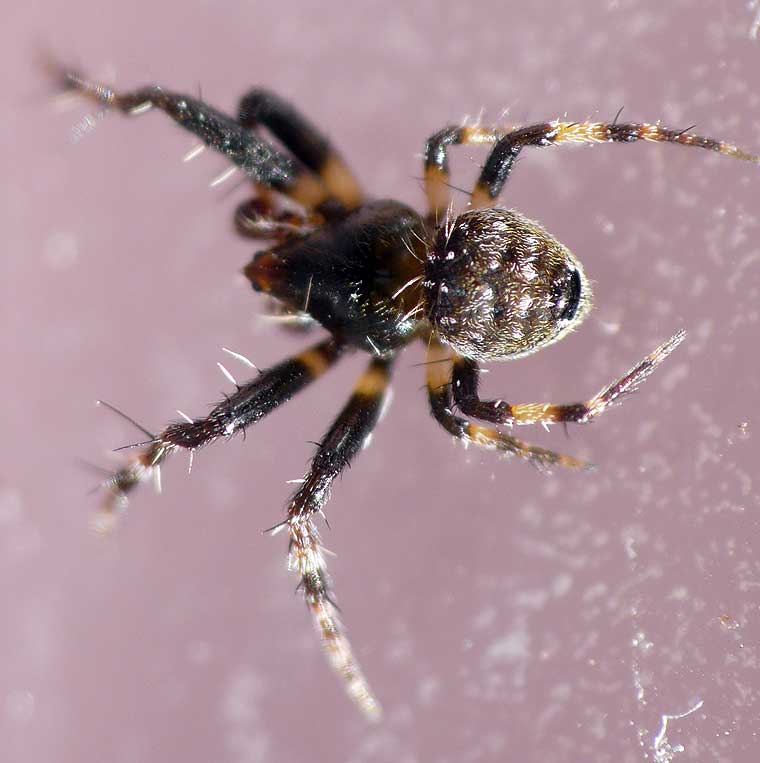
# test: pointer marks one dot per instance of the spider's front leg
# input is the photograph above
(342, 442)
(244, 407)
(256, 157)
(508, 143)
(465, 384)
(304, 141)
(436, 160)
(439, 384)
(257, 218)
(507, 148)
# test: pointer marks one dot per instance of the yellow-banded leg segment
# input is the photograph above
(439, 383)
(256, 157)
(247, 405)
(343, 441)
(304, 141)
(467, 399)
(437, 173)
(502, 157)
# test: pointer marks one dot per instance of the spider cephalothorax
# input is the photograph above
(498, 286)
(489, 285)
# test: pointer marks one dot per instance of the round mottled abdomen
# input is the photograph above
(498, 286)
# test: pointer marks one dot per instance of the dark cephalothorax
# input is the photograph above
(486, 285)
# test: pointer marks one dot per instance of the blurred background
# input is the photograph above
(499, 614)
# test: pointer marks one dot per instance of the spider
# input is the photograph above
(486, 285)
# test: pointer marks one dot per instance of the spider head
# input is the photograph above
(498, 286)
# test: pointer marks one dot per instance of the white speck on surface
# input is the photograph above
(562, 584)
(679, 593)
(247, 738)
(610, 327)
(428, 690)
(10, 506)
(513, 646)
(61, 250)
(674, 377)
(641, 642)
(199, 652)
(485, 618)
(19, 706)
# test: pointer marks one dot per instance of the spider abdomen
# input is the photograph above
(498, 286)
(348, 275)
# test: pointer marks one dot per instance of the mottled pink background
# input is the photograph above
(500, 614)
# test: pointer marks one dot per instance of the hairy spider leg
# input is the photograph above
(465, 384)
(502, 157)
(244, 407)
(439, 383)
(437, 174)
(510, 143)
(345, 438)
(258, 158)
(304, 141)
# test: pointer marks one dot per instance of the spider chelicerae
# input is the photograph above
(488, 284)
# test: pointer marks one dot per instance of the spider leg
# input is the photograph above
(342, 442)
(439, 384)
(502, 157)
(509, 143)
(256, 157)
(437, 187)
(465, 384)
(305, 142)
(247, 405)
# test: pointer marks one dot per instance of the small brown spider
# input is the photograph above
(486, 285)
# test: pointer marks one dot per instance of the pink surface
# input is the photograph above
(499, 614)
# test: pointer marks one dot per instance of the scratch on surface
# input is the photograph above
(663, 751)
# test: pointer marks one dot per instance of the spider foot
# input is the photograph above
(544, 461)
(67, 79)
(307, 559)
(633, 379)
(144, 466)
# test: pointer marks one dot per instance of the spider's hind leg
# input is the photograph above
(439, 384)
(343, 441)
(465, 391)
